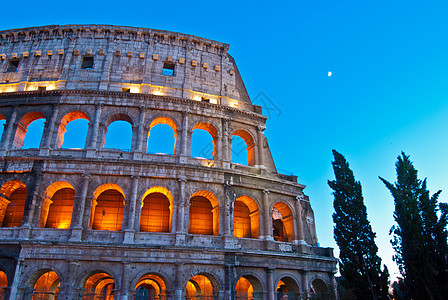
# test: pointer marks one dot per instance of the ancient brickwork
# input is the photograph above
(100, 222)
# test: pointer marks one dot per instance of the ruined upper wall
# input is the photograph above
(117, 58)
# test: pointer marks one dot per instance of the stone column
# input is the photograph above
(225, 144)
(178, 281)
(7, 141)
(14, 292)
(141, 124)
(29, 218)
(78, 209)
(267, 217)
(93, 144)
(184, 152)
(125, 290)
(49, 133)
(182, 213)
(229, 282)
(261, 139)
(270, 281)
(305, 274)
(129, 231)
(300, 237)
(228, 199)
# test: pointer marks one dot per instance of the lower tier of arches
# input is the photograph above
(99, 272)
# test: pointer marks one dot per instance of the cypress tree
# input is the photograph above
(359, 265)
(419, 236)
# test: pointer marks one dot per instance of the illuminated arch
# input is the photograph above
(283, 222)
(249, 287)
(246, 218)
(108, 207)
(287, 287)
(71, 116)
(204, 213)
(57, 206)
(201, 286)
(47, 285)
(3, 283)
(156, 210)
(213, 133)
(22, 127)
(250, 145)
(12, 203)
(99, 285)
(167, 121)
(150, 286)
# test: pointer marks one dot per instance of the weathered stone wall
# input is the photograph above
(133, 58)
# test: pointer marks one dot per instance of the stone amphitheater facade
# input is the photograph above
(100, 223)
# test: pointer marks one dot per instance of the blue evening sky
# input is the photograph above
(388, 90)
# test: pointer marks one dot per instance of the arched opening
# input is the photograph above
(319, 290)
(248, 288)
(57, 206)
(199, 287)
(12, 203)
(150, 287)
(3, 284)
(204, 214)
(282, 223)
(287, 288)
(246, 218)
(203, 141)
(99, 286)
(156, 210)
(108, 207)
(72, 133)
(46, 287)
(2, 128)
(240, 149)
(118, 133)
(29, 131)
(162, 136)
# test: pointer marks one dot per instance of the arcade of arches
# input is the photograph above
(109, 203)
(99, 285)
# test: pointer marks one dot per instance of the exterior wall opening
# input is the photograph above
(108, 210)
(22, 130)
(168, 68)
(199, 287)
(47, 287)
(3, 284)
(161, 140)
(72, 133)
(201, 144)
(13, 206)
(319, 290)
(99, 286)
(204, 214)
(87, 62)
(150, 287)
(155, 214)
(119, 136)
(246, 218)
(282, 223)
(2, 128)
(239, 149)
(61, 208)
(248, 288)
(34, 134)
(13, 65)
(287, 288)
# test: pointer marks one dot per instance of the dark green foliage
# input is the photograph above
(360, 266)
(419, 237)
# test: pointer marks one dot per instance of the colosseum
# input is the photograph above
(98, 221)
